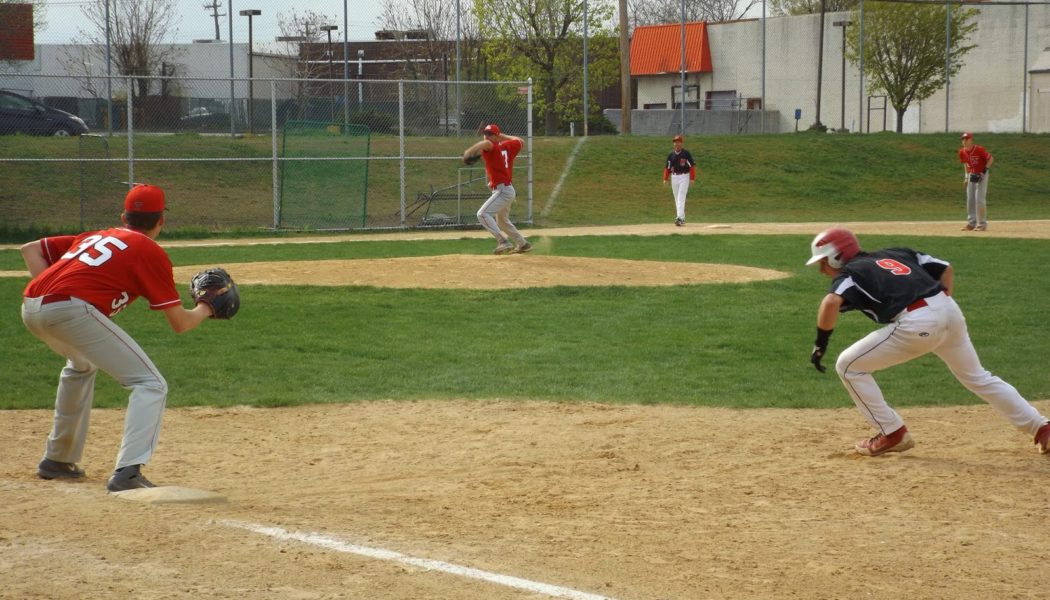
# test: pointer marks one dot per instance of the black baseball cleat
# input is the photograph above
(53, 469)
(128, 478)
(679, 222)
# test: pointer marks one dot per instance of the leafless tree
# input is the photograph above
(653, 12)
(304, 47)
(437, 20)
(140, 40)
(806, 7)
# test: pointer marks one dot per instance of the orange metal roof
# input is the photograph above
(657, 49)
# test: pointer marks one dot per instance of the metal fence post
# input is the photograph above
(276, 163)
(401, 143)
(131, 131)
(528, 128)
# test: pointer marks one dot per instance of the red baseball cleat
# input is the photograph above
(898, 441)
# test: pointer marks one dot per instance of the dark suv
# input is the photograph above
(19, 114)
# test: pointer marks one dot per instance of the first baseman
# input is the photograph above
(910, 293)
(79, 284)
(976, 164)
(680, 168)
(499, 149)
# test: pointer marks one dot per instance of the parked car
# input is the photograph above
(203, 119)
(19, 114)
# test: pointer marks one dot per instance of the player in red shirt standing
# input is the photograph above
(79, 283)
(977, 161)
(499, 150)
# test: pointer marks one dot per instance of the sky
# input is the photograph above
(65, 19)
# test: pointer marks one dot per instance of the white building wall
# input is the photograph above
(988, 94)
(203, 71)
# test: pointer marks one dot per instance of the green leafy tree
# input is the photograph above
(542, 39)
(904, 49)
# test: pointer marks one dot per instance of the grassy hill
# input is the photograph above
(613, 179)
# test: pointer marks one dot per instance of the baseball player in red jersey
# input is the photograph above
(910, 293)
(79, 283)
(681, 170)
(977, 162)
(499, 149)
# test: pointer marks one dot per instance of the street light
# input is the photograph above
(251, 12)
(843, 25)
(820, 63)
(360, 92)
(329, 29)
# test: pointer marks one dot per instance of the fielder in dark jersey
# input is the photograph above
(680, 170)
(909, 292)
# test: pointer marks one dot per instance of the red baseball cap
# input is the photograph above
(677, 138)
(492, 129)
(144, 198)
(967, 136)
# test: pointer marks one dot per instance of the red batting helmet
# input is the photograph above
(837, 245)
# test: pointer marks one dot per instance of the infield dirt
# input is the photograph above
(628, 502)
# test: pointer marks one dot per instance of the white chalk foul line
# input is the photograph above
(549, 206)
(323, 541)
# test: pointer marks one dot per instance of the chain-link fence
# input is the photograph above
(303, 154)
(245, 169)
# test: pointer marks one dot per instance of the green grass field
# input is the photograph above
(614, 180)
(716, 345)
(725, 345)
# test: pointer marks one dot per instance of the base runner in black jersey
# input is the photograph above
(910, 293)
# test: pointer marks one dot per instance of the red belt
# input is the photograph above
(51, 298)
(921, 302)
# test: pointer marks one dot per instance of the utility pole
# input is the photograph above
(215, 14)
(820, 59)
(625, 71)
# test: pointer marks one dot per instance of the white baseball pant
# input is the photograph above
(939, 327)
(91, 341)
(494, 214)
(680, 188)
(976, 205)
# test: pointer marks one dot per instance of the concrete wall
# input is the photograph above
(711, 122)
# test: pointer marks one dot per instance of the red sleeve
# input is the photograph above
(692, 173)
(54, 247)
(962, 156)
(516, 144)
(155, 277)
(667, 173)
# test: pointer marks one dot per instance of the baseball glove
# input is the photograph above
(471, 159)
(216, 288)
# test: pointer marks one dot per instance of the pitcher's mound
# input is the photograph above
(469, 271)
(170, 494)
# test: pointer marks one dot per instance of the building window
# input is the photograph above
(649, 105)
(692, 96)
(725, 100)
